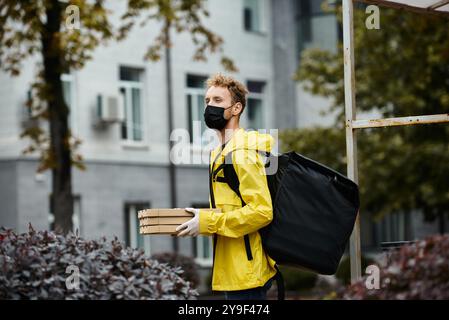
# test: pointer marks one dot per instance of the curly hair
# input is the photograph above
(237, 89)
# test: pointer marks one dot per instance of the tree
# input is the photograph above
(48, 27)
(183, 16)
(45, 27)
(401, 70)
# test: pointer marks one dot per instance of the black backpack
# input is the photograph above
(314, 211)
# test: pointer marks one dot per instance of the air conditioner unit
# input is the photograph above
(110, 109)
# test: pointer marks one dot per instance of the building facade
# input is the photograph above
(128, 161)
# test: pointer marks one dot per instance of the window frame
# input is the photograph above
(76, 216)
(262, 11)
(128, 86)
(195, 145)
(199, 258)
(195, 94)
(261, 96)
(198, 241)
(70, 79)
(304, 21)
(132, 226)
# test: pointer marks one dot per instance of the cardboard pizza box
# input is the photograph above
(178, 212)
(164, 221)
(151, 221)
(158, 229)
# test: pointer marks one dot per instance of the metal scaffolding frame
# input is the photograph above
(439, 7)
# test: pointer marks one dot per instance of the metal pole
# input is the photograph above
(171, 166)
(351, 138)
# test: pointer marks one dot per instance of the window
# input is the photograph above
(133, 237)
(131, 93)
(69, 96)
(315, 28)
(204, 250)
(255, 105)
(68, 93)
(392, 227)
(202, 245)
(76, 217)
(195, 108)
(252, 15)
(67, 81)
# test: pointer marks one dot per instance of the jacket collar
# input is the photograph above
(231, 145)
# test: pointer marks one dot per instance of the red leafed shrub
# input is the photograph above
(187, 265)
(38, 265)
(416, 271)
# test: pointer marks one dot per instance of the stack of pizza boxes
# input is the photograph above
(163, 221)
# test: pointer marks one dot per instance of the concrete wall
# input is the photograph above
(104, 189)
(8, 195)
(118, 172)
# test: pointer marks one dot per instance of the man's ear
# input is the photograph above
(237, 110)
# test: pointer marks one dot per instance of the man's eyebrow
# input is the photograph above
(214, 97)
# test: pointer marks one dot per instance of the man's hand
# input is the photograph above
(191, 227)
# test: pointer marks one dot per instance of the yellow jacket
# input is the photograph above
(232, 269)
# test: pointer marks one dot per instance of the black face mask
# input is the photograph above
(213, 116)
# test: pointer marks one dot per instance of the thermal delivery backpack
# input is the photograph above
(314, 211)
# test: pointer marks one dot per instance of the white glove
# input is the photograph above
(192, 227)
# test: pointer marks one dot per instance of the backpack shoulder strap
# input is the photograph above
(230, 175)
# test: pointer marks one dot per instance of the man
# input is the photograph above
(241, 267)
